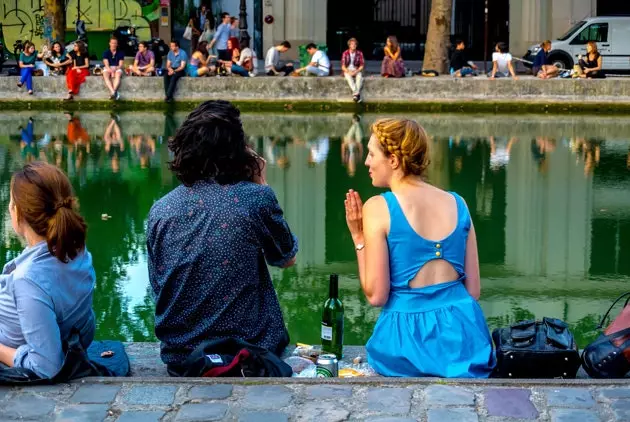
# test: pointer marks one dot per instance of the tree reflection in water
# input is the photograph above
(551, 215)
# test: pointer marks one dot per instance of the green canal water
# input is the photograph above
(549, 196)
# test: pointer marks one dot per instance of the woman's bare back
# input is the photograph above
(432, 214)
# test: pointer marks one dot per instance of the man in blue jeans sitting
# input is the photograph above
(460, 66)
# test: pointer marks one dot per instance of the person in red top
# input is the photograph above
(352, 64)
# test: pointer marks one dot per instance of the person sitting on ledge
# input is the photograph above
(352, 64)
(58, 60)
(27, 65)
(113, 61)
(319, 64)
(144, 62)
(208, 239)
(272, 60)
(502, 66)
(460, 67)
(46, 291)
(542, 67)
(417, 255)
(198, 65)
(79, 69)
(393, 65)
(590, 66)
(175, 69)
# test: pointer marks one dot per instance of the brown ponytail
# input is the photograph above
(44, 200)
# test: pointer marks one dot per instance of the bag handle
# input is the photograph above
(601, 324)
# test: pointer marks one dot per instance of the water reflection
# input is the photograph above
(548, 198)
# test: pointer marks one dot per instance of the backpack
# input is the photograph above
(609, 355)
(231, 357)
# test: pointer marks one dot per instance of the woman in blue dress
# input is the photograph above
(417, 254)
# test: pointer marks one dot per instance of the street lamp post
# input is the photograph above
(242, 18)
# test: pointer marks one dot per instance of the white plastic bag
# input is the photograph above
(188, 33)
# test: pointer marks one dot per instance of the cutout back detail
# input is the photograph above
(435, 271)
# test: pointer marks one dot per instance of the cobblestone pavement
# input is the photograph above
(138, 401)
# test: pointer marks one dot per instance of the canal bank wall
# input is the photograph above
(332, 93)
(151, 396)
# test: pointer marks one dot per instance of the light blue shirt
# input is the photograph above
(41, 300)
(222, 35)
(177, 59)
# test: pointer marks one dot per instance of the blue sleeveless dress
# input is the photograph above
(438, 330)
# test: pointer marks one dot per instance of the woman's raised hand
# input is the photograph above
(354, 214)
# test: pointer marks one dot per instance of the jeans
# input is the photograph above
(464, 71)
(170, 82)
(317, 71)
(26, 75)
(284, 69)
(355, 82)
(240, 70)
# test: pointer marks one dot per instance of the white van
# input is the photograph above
(612, 35)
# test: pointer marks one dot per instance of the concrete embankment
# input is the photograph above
(148, 396)
(330, 94)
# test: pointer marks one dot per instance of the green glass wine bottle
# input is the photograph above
(332, 320)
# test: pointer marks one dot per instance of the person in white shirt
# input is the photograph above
(247, 63)
(272, 60)
(319, 64)
(502, 63)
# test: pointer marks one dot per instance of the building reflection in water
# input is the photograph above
(551, 213)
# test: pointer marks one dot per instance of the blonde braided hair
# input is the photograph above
(405, 139)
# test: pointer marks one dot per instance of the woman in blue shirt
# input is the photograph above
(542, 67)
(46, 291)
(209, 240)
(417, 254)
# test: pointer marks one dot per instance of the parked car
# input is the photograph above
(612, 35)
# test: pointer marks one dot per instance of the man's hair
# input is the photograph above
(286, 44)
(311, 45)
(210, 145)
(458, 42)
(175, 42)
(145, 44)
(353, 40)
(233, 19)
(113, 39)
(224, 14)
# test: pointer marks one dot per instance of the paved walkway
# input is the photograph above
(396, 401)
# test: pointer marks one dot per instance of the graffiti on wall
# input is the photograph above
(27, 20)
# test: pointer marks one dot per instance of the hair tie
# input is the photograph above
(64, 203)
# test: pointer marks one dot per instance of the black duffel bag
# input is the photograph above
(536, 349)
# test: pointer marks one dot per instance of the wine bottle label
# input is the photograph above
(326, 333)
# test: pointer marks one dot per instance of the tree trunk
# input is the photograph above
(438, 36)
(55, 11)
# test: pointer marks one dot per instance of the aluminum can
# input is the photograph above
(327, 366)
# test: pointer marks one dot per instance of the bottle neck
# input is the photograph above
(333, 292)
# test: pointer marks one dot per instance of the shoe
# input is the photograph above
(117, 97)
(30, 92)
(70, 97)
(355, 98)
(20, 84)
(359, 99)
(113, 96)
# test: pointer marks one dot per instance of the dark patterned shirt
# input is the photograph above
(207, 246)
